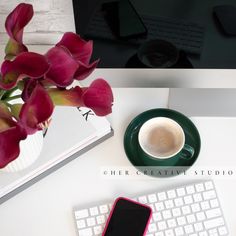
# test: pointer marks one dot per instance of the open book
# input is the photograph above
(72, 132)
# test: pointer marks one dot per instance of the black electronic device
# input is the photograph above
(226, 16)
(127, 218)
(123, 19)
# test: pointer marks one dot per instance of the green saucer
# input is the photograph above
(135, 153)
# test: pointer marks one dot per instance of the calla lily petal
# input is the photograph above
(6, 120)
(37, 110)
(25, 65)
(79, 48)
(63, 97)
(29, 87)
(10, 144)
(4, 111)
(14, 48)
(15, 23)
(85, 70)
(98, 97)
(62, 67)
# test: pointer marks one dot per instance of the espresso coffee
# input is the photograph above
(161, 137)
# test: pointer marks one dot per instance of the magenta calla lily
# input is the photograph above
(40, 82)
(81, 51)
(15, 23)
(24, 65)
(32, 116)
(98, 97)
(10, 144)
(62, 67)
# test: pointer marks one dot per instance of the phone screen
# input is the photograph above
(127, 218)
(123, 19)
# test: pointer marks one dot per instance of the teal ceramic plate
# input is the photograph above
(134, 152)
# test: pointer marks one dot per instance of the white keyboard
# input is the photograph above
(192, 210)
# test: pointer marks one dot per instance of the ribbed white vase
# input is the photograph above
(30, 149)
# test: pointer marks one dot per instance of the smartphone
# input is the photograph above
(124, 20)
(127, 218)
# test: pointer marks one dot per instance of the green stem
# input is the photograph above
(12, 98)
(1, 93)
(8, 93)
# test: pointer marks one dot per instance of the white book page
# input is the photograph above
(69, 132)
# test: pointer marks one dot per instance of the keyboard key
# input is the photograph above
(100, 219)
(179, 231)
(212, 231)
(214, 223)
(169, 232)
(161, 225)
(152, 228)
(171, 194)
(171, 223)
(159, 234)
(86, 232)
(143, 199)
(213, 213)
(188, 200)
(181, 220)
(81, 224)
(204, 233)
(93, 211)
(91, 222)
(152, 198)
(186, 210)
(188, 229)
(81, 214)
(97, 230)
(162, 196)
(201, 216)
(214, 203)
(223, 231)
(103, 209)
(191, 219)
(195, 207)
(110, 206)
(176, 212)
(166, 214)
(157, 216)
(159, 206)
(197, 197)
(169, 204)
(190, 189)
(199, 187)
(198, 226)
(181, 192)
(205, 205)
(179, 202)
(209, 195)
(209, 185)
(152, 206)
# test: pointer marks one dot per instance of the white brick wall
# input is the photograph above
(52, 18)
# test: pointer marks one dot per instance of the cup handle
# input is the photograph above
(187, 152)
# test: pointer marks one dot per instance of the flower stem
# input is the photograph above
(12, 98)
(1, 93)
(8, 93)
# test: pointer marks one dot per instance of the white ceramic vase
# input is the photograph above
(30, 149)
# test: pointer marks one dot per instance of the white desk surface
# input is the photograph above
(46, 207)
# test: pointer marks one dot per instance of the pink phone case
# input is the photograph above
(138, 203)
